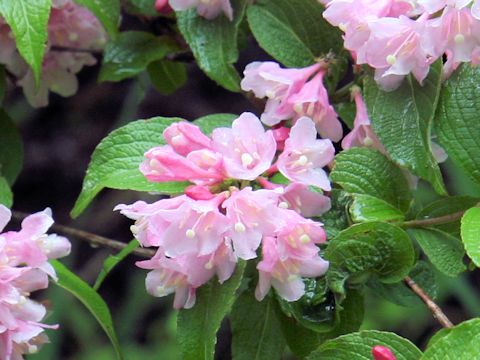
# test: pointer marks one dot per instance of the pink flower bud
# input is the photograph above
(199, 192)
(163, 7)
(382, 353)
(184, 138)
(281, 134)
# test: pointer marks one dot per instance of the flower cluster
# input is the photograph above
(209, 9)
(70, 27)
(233, 209)
(24, 268)
(292, 94)
(398, 37)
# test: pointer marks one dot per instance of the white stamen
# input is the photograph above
(304, 239)
(302, 160)
(459, 39)
(190, 233)
(292, 277)
(247, 159)
(154, 163)
(209, 265)
(368, 141)
(298, 107)
(391, 59)
(270, 94)
(283, 205)
(73, 36)
(239, 227)
(178, 139)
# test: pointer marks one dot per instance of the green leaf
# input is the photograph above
(471, 234)
(368, 208)
(197, 327)
(400, 294)
(303, 341)
(447, 206)
(210, 122)
(11, 149)
(256, 332)
(116, 159)
(443, 250)
(106, 11)
(460, 342)
(294, 32)
(366, 171)
(6, 196)
(90, 298)
(457, 121)
(131, 53)
(113, 260)
(141, 7)
(372, 248)
(347, 112)
(337, 218)
(359, 346)
(167, 76)
(214, 43)
(28, 20)
(316, 309)
(403, 118)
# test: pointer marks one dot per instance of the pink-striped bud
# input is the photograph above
(163, 7)
(382, 353)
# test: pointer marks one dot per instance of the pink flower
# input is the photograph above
(362, 133)
(24, 268)
(251, 215)
(312, 101)
(289, 256)
(247, 149)
(209, 9)
(184, 274)
(148, 228)
(184, 138)
(395, 49)
(164, 164)
(70, 26)
(180, 226)
(456, 33)
(304, 156)
(304, 201)
(267, 79)
(433, 6)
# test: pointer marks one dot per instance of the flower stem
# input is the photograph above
(432, 306)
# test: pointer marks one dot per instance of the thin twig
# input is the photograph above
(433, 221)
(93, 239)
(432, 306)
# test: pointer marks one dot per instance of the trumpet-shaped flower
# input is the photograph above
(312, 101)
(251, 215)
(304, 156)
(247, 149)
(24, 268)
(267, 79)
